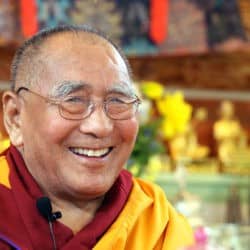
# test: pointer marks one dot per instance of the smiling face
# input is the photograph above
(78, 159)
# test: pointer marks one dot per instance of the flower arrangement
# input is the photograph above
(163, 115)
(171, 107)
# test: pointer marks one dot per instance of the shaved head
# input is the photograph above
(28, 66)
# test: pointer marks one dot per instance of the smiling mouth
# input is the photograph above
(98, 153)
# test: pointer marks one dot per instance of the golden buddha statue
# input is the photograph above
(228, 133)
(186, 145)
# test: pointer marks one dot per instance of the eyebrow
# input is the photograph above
(122, 88)
(68, 87)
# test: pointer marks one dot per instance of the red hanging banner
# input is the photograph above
(158, 20)
(28, 15)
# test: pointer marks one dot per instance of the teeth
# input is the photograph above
(90, 152)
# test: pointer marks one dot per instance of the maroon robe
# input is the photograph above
(22, 227)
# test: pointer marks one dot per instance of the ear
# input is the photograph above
(11, 117)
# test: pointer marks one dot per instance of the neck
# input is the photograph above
(76, 215)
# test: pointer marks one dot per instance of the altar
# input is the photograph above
(213, 191)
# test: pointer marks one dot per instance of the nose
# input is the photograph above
(97, 124)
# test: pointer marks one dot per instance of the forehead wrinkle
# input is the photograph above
(67, 87)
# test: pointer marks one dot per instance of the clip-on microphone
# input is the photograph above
(45, 209)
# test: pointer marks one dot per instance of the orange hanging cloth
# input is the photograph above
(28, 15)
(158, 20)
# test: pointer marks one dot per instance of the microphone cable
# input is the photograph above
(44, 207)
(52, 235)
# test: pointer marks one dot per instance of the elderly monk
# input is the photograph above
(71, 119)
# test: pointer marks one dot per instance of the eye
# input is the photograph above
(75, 105)
(75, 99)
(120, 100)
(115, 100)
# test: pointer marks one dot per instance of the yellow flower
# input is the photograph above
(176, 114)
(168, 129)
(152, 90)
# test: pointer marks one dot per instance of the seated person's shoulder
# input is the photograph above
(159, 214)
(150, 189)
(158, 199)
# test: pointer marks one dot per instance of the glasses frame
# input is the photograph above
(136, 102)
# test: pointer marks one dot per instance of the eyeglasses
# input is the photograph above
(75, 107)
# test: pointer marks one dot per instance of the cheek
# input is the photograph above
(128, 130)
(57, 129)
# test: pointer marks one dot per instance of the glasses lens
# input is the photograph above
(75, 108)
(120, 110)
(78, 108)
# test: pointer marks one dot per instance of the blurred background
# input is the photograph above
(191, 66)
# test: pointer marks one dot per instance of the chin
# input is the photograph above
(101, 189)
(92, 191)
(94, 185)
